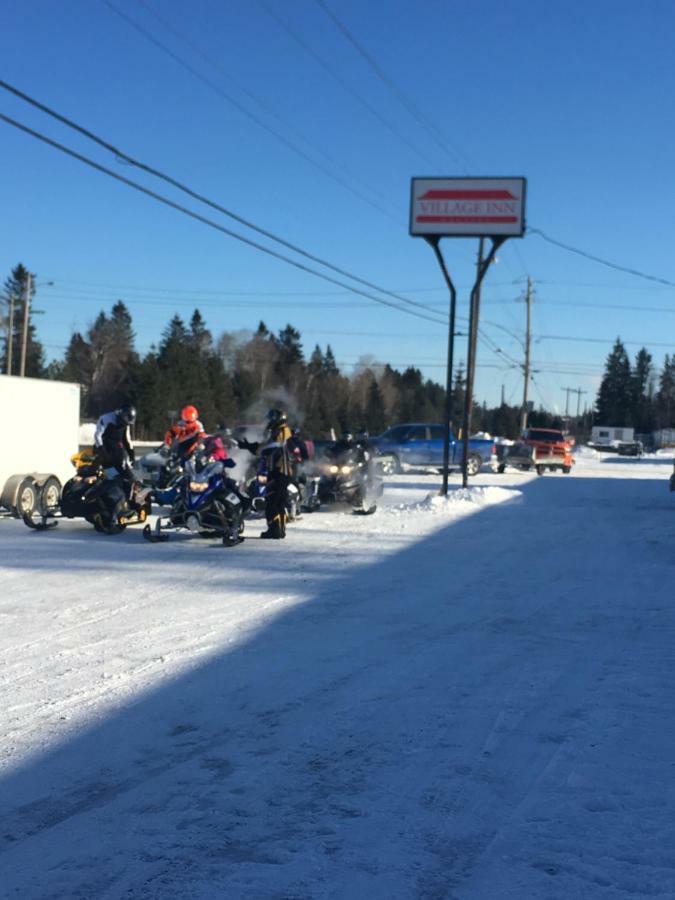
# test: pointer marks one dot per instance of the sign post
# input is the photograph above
(466, 207)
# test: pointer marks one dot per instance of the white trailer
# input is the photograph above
(38, 435)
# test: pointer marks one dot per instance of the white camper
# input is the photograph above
(38, 435)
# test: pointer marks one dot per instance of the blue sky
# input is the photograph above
(576, 97)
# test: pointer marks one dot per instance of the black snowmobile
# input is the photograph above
(350, 477)
(100, 496)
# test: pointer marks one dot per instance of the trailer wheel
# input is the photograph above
(50, 495)
(26, 498)
(567, 469)
(501, 468)
(540, 470)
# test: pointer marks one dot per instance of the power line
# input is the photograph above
(355, 94)
(599, 259)
(590, 340)
(408, 104)
(267, 107)
(202, 199)
(209, 222)
(242, 109)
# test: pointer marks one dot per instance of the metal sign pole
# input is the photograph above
(483, 265)
(434, 241)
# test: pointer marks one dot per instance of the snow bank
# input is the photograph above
(586, 452)
(458, 501)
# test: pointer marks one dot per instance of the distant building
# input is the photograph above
(608, 436)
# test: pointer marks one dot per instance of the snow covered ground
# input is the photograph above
(462, 699)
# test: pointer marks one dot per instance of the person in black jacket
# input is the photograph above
(278, 466)
(112, 441)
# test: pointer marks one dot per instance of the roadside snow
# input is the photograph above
(466, 698)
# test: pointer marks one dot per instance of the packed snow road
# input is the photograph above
(461, 699)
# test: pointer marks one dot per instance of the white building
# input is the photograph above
(608, 436)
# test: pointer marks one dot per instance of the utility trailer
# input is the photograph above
(38, 436)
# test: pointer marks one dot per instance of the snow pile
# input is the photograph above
(586, 452)
(458, 501)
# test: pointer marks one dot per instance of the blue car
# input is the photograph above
(421, 445)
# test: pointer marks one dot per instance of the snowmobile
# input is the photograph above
(97, 494)
(349, 477)
(204, 502)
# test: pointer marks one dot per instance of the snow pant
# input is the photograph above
(275, 503)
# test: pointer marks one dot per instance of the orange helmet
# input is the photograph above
(189, 413)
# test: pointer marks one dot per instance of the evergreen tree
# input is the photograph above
(642, 392)
(614, 401)
(665, 397)
(201, 339)
(15, 296)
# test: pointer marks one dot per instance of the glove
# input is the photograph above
(229, 463)
(243, 444)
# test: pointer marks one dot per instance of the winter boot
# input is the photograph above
(273, 532)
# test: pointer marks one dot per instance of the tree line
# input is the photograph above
(236, 376)
(636, 395)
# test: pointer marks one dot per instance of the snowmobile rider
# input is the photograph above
(279, 467)
(185, 434)
(297, 447)
(112, 442)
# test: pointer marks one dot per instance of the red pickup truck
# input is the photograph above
(553, 450)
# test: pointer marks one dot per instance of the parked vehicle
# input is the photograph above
(204, 502)
(95, 494)
(553, 449)
(34, 460)
(630, 448)
(527, 457)
(421, 445)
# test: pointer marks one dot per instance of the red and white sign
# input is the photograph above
(468, 207)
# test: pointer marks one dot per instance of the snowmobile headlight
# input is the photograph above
(262, 479)
(333, 470)
(198, 487)
(346, 470)
(91, 479)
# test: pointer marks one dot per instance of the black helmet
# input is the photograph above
(347, 436)
(275, 418)
(127, 413)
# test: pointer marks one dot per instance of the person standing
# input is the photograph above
(277, 465)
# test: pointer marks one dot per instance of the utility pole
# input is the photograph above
(526, 367)
(10, 334)
(568, 391)
(579, 392)
(24, 330)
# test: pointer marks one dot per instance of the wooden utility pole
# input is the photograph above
(526, 367)
(24, 329)
(10, 335)
(568, 391)
(579, 392)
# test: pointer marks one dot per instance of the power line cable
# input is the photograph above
(209, 222)
(408, 104)
(202, 199)
(599, 259)
(267, 107)
(244, 111)
(590, 340)
(337, 77)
